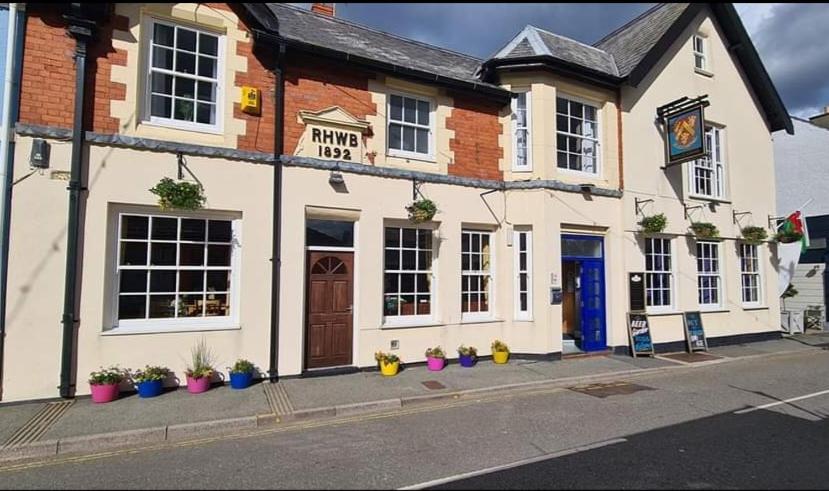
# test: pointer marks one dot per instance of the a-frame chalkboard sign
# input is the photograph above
(639, 334)
(694, 332)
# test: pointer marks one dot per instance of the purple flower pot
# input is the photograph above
(467, 360)
(104, 392)
(197, 385)
(435, 364)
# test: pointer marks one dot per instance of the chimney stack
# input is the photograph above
(323, 8)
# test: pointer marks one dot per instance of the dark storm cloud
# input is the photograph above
(792, 41)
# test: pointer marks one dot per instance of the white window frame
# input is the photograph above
(757, 273)
(714, 162)
(714, 273)
(597, 139)
(410, 320)
(528, 166)
(394, 152)
(700, 55)
(128, 326)
(670, 272)
(527, 314)
(147, 117)
(490, 313)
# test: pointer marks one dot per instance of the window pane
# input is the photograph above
(422, 283)
(205, 113)
(183, 110)
(589, 113)
(561, 105)
(407, 283)
(132, 307)
(424, 260)
(192, 229)
(408, 260)
(409, 110)
(391, 283)
(191, 281)
(562, 160)
(133, 281)
(408, 138)
(185, 62)
(395, 134)
(409, 237)
(205, 91)
(396, 108)
(192, 254)
(162, 83)
(218, 281)
(186, 39)
(423, 113)
(218, 255)
(134, 227)
(392, 237)
(208, 44)
(165, 228)
(332, 233)
(163, 254)
(162, 58)
(424, 239)
(162, 306)
(219, 231)
(424, 305)
(217, 305)
(576, 109)
(190, 305)
(207, 67)
(162, 34)
(133, 253)
(407, 305)
(185, 87)
(162, 281)
(561, 123)
(422, 141)
(392, 259)
(161, 106)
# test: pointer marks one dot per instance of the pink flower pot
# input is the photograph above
(435, 364)
(197, 385)
(104, 392)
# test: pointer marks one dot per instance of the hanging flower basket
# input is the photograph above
(754, 235)
(654, 223)
(422, 210)
(705, 230)
(788, 237)
(181, 195)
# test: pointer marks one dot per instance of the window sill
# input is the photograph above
(125, 331)
(480, 320)
(702, 72)
(714, 311)
(709, 198)
(412, 323)
(428, 159)
(755, 307)
(182, 126)
(663, 312)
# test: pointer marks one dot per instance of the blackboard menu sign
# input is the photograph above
(694, 333)
(636, 289)
(639, 334)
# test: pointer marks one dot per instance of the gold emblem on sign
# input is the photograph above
(685, 130)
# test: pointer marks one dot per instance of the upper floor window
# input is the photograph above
(700, 53)
(577, 133)
(183, 87)
(521, 132)
(707, 174)
(410, 127)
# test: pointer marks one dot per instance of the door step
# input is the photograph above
(571, 356)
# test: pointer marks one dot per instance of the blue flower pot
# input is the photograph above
(150, 388)
(240, 380)
(467, 361)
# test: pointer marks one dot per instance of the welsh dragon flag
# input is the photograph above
(794, 223)
(788, 254)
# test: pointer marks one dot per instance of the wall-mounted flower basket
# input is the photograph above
(422, 210)
(654, 223)
(180, 195)
(788, 237)
(754, 235)
(705, 230)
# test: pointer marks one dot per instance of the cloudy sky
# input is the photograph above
(791, 38)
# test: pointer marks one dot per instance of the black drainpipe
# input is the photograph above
(82, 30)
(276, 261)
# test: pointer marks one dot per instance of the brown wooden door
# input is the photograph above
(568, 304)
(329, 304)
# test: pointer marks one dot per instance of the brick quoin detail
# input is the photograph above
(475, 144)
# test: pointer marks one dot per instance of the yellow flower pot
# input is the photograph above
(500, 357)
(389, 369)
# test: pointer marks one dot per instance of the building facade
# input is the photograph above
(310, 136)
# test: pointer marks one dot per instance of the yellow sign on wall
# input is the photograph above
(251, 100)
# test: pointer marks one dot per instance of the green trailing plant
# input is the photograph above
(654, 224)
(786, 237)
(201, 361)
(705, 230)
(467, 351)
(499, 346)
(790, 291)
(181, 195)
(106, 376)
(149, 374)
(386, 358)
(436, 352)
(242, 366)
(754, 235)
(422, 210)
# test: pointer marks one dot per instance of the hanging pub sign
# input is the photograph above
(684, 124)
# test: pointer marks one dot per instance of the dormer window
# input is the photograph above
(701, 53)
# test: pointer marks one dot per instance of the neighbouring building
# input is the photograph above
(310, 136)
(802, 174)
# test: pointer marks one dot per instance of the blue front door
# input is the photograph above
(593, 337)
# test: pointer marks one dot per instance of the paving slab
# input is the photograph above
(575, 367)
(14, 416)
(174, 407)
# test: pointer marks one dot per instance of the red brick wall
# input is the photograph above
(475, 144)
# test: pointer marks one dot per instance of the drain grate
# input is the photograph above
(38, 424)
(433, 385)
(278, 399)
(609, 389)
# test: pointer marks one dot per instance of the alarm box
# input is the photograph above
(251, 100)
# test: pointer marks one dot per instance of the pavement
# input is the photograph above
(43, 429)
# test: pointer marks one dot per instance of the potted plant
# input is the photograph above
(389, 363)
(788, 237)
(180, 195)
(654, 224)
(754, 235)
(200, 370)
(705, 230)
(435, 359)
(467, 355)
(422, 210)
(500, 352)
(150, 380)
(241, 374)
(104, 384)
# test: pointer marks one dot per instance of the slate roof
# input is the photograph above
(630, 43)
(304, 26)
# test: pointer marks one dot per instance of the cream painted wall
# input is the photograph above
(750, 180)
(37, 261)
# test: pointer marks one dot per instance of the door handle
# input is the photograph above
(350, 308)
